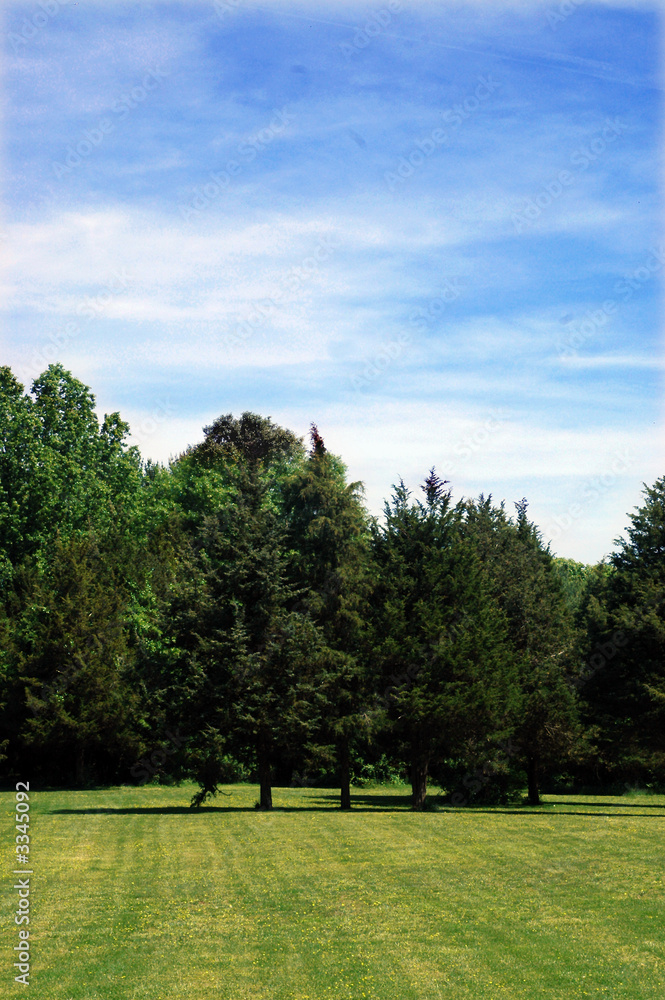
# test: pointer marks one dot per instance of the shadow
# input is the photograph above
(378, 801)
(615, 805)
(535, 811)
(363, 803)
(388, 804)
(186, 811)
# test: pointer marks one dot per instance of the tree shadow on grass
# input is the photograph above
(379, 802)
(359, 803)
(538, 811)
(371, 804)
(615, 805)
(400, 803)
(186, 811)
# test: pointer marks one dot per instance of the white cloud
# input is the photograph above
(580, 482)
(612, 361)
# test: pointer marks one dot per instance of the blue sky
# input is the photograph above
(432, 228)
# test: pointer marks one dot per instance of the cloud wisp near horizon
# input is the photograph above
(432, 229)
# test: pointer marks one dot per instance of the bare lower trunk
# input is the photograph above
(532, 778)
(265, 785)
(419, 784)
(345, 774)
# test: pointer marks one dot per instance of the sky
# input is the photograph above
(434, 229)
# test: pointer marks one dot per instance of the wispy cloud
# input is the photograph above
(207, 254)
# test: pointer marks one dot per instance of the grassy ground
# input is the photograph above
(135, 896)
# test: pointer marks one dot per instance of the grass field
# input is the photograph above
(135, 896)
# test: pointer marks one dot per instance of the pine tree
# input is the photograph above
(74, 663)
(438, 634)
(329, 535)
(256, 652)
(541, 636)
(624, 687)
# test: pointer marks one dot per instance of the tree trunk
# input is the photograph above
(419, 784)
(532, 777)
(264, 777)
(345, 774)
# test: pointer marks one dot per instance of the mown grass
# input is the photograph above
(134, 896)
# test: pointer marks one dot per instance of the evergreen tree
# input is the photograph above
(625, 665)
(541, 636)
(439, 637)
(329, 535)
(71, 657)
(255, 651)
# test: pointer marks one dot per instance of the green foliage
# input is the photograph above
(489, 775)
(71, 658)
(243, 596)
(574, 580)
(58, 467)
(625, 684)
(254, 652)
(328, 537)
(540, 633)
(440, 637)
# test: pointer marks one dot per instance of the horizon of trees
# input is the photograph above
(238, 614)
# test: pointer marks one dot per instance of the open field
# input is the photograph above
(134, 896)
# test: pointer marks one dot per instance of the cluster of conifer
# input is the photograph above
(239, 615)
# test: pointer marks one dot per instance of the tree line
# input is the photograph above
(237, 614)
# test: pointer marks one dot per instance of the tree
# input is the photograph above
(20, 464)
(255, 651)
(72, 658)
(438, 634)
(574, 578)
(59, 469)
(625, 677)
(65, 481)
(329, 536)
(541, 635)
